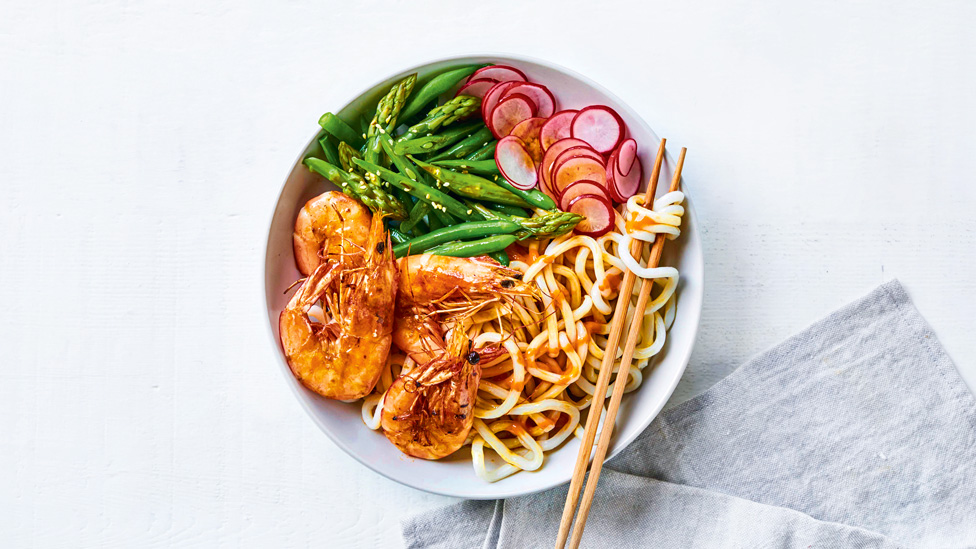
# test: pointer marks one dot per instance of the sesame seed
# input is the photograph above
(469, 212)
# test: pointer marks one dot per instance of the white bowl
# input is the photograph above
(454, 476)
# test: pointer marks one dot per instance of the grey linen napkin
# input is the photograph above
(857, 432)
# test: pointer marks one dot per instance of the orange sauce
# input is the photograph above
(557, 298)
(633, 224)
(519, 253)
(610, 282)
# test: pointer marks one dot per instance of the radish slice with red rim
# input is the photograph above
(508, 113)
(515, 163)
(600, 126)
(477, 88)
(576, 169)
(528, 131)
(544, 101)
(574, 152)
(626, 154)
(579, 188)
(598, 214)
(545, 169)
(556, 128)
(501, 73)
(546, 187)
(492, 98)
(621, 187)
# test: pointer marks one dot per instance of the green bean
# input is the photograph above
(472, 186)
(491, 244)
(364, 124)
(508, 210)
(435, 222)
(463, 231)
(435, 197)
(417, 213)
(500, 256)
(342, 131)
(398, 237)
(442, 115)
(488, 151)
(437, 85)
(480, 167)
(328, 149)
(535, 197)
(437, 141)
(408, 169)
(466, 146)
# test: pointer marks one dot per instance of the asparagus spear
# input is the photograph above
(548, 225)
(373, 197)
(346, 154)
(472, 186)
(443, 115)
(388, 109)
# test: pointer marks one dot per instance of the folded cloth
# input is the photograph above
(856, 432)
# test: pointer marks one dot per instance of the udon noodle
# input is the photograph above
(531, 398)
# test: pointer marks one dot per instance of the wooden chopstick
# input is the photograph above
(603, 379)
(621, 382)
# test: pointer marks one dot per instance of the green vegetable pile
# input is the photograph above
(433, 176)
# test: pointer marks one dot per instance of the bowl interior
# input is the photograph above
(455, 475)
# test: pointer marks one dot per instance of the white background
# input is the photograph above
(832, 146)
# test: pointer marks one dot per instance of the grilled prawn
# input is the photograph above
(435, 288)
(341, 355)
(329, 225)
(428, 412)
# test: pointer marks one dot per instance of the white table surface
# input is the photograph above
(142, 146)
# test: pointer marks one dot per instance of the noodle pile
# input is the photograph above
(530, 401)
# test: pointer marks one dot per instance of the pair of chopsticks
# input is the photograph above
(603, 380)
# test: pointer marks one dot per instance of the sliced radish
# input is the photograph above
(545, 169)
(598, 212)
(621, 187)
(574, 152)
(515, 163)
(580, 188)
(540, 95)
(528, 131)
(626, 154)
(600, 126)
(576, 169)
(477, 88)
(501, 73)
(546, 187)
(508, 113)
(492, 98)
(556, 128)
